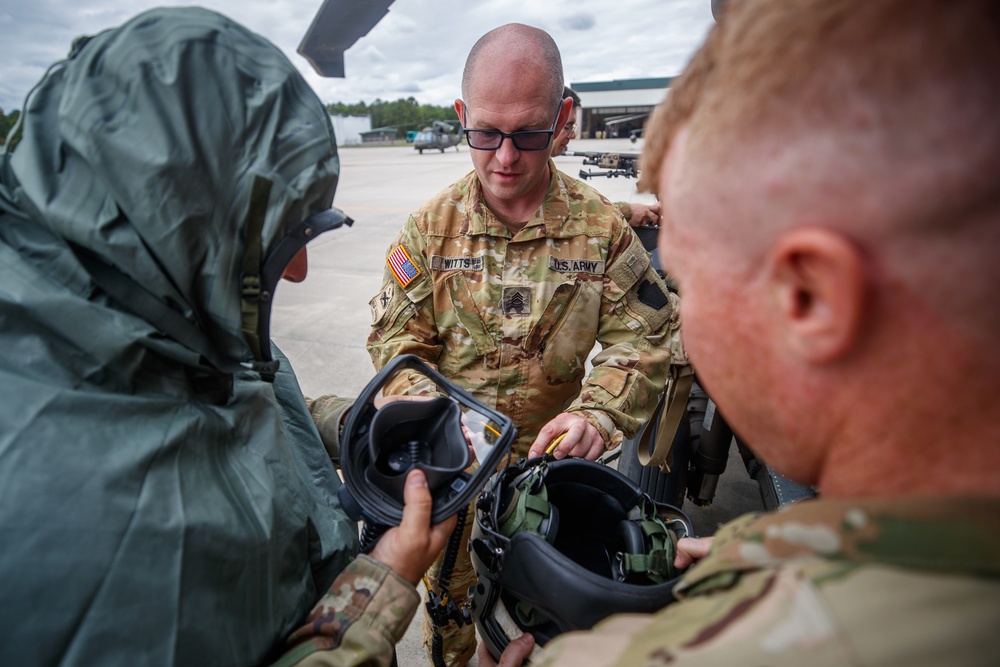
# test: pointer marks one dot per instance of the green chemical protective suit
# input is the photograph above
(159, 502)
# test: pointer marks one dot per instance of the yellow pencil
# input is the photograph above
(555, 443)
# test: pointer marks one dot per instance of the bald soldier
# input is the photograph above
(507, 279)
(840, 304)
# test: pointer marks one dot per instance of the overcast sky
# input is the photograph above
(417, 50)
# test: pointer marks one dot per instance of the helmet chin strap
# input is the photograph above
(259, 278)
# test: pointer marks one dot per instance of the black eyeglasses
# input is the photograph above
(523, 140)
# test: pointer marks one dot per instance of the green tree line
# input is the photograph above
(403, 114)
(6, 122)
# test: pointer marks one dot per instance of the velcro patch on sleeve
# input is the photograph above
(401, 264)
(652, 295)
(652, 301)
(630, 266)
(380, 304)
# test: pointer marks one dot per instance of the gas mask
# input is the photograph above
(457, 441)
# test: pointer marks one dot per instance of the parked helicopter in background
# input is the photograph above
(440, 134)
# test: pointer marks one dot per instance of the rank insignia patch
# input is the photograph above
(516, 300)
(402, 266)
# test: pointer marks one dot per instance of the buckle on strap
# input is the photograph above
(250, 285)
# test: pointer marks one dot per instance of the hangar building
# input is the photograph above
(617, 108)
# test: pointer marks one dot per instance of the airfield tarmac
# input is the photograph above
(322, 323)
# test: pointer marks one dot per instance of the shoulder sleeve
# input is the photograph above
(625, 209)
(403, 320)
(640, 338)
(358, 622)
(328, 415)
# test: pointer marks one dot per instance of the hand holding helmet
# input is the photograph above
(573, 436)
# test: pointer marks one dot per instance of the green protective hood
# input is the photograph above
(155, 509)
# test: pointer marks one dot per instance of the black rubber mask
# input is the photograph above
(453, 438)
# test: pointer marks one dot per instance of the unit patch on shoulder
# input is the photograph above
(464, 263)
(517, 300)
(592, 266)
(381, 302)
(402, 266)
(651, 295)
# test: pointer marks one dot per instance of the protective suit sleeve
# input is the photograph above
(358, 621)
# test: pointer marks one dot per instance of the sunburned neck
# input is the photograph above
(926, 452)
(515, 213)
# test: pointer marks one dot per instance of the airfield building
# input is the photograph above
(617, 108)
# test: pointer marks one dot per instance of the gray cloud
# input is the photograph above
(418, 49)
(580, 22)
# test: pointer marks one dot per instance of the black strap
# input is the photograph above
(252, 255)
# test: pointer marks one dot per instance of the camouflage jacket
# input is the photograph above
(329, 413)
(826, 582)
(513, 318)
(358, 622)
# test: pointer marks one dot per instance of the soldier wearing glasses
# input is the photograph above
(506, 280)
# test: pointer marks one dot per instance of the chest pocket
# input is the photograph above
(561, 305)
(468, 314)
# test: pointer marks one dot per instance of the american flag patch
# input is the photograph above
(402, 266)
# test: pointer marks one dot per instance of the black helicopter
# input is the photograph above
(440, 134)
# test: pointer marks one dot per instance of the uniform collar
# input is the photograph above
(547, 221)
(944, 534)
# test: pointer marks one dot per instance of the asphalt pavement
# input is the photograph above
(322, 323)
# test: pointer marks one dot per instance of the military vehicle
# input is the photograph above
(440, 134)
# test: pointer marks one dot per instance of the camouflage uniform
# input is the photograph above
(625, 208)
(512, 318)
(826, 582)
(328, 413)
(363, 615)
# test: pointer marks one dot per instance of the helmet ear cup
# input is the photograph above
(589, 544)
(632, 541)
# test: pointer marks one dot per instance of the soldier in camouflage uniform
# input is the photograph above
(637, 215)
(507, 279)
(859, 149)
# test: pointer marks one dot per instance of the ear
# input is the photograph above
(565, 108)
(817, 281)
(460, 110)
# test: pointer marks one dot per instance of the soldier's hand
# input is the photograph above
(690, 550)
(411, 547)
(514, 655)
(581, 439)
(643, 215)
